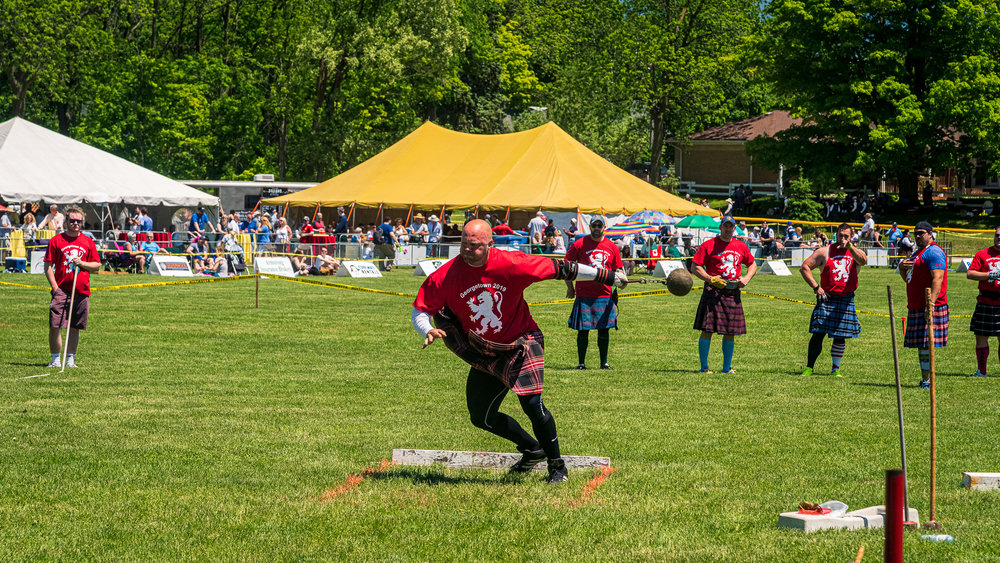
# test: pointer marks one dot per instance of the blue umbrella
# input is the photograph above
(651, 216)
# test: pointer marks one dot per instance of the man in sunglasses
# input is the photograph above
(66, 252)
(925, 268)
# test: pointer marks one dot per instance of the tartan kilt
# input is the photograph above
(985, 320)
(591, 313)
(836, 317)
(519, 366)
(916, 328)
(720, 311)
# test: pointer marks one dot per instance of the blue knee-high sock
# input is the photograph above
(727, 354)
(703, 346)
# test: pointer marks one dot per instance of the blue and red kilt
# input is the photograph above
(836, 317)
(720, 311)
(916, 328)
(519, 366)
(591, 313)
(985, 320)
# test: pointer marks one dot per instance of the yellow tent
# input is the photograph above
(542, 168)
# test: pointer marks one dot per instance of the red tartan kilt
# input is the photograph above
(720, 311)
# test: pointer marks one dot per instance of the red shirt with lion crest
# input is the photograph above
(488, 300)
(599, 254)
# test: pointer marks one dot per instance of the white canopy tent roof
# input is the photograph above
(37, 164)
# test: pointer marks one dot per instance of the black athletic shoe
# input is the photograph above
(528, 461)
(581, 366)
(605, 366)
(557, 471)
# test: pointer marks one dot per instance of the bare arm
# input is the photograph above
(937, 279)
(751, 272)
(815, 260)
(859, 255)
(699, 272)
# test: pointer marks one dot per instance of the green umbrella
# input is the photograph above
(738, 232)
(698, 222)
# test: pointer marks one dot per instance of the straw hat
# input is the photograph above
(418, 216)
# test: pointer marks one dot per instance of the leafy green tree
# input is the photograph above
(884, 87)
(802, 202)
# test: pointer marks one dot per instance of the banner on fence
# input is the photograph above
(170, 266)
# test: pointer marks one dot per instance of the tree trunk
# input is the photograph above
(908, 184)
(283, 149)
(155, 27)
(62, 109)
(656, 150)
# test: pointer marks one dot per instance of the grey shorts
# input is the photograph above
(59, 310)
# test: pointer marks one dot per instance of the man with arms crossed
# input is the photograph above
(719, 262)
(478, 307)
(925, 268)
(66, 251)
(985, 268)
(834, 314)
(593, 306)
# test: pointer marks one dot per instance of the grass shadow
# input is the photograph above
(434, 476)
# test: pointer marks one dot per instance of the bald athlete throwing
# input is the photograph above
(478, 308)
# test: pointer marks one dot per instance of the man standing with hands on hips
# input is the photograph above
(66, 252)
(593, 306)
(985, 268)
(478, 308)
(719, 262)
(834, 314)
(925, 268)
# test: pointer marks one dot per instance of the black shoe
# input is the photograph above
(605, 366)
(581, 366)
(557, 471)
(528, 461)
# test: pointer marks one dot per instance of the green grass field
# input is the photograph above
(200, 427)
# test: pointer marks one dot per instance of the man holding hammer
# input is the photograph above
(925, 268)
(69, 258)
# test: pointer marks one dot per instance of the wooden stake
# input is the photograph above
(929, 312)
(257, 292)
(899, 406)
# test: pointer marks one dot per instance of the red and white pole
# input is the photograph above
(895, 482)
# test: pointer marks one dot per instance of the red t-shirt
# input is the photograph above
(918, 279)
(488, 300)
(723, 259)
(503, 229)
(985, 260)
(840, 273)
(61, 250)
(600, 254)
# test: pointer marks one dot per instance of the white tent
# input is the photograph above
(37, 164)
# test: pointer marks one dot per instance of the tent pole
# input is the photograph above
(315, 211)
(506, 218)
(409, 214)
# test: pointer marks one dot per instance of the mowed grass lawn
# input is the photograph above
(200, 427)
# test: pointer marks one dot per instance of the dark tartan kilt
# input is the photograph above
(519, 366)
(916, 328)
(591, 313)
(986, 320)
(720, 311)
(836, 317)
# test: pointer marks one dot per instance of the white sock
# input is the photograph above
(70, 358)
(55, 357)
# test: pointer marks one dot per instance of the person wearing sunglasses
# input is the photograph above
(925, 268)
(66, 252)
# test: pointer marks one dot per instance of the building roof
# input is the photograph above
(767, 125)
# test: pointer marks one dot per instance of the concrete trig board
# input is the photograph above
(170, 266)
(427, 267)
(664, 267)
(776, 267)
(963, 266)
(358, 270)
(981, 481)
(485, 460)
(277, 265)
(37, 262)
(871, 517)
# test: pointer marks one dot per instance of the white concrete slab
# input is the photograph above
(981, 481)
(871, 517)
(485, 460)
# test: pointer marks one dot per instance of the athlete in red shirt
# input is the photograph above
(66, 252)
(593, 305)
(985, 268)
(719, 262)
(834, 314)
(478, 307)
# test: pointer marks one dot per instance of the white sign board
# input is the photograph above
(37, 262)
(799, 255)
(878, 256)
(277, 265)
(664, 267)
(427, 267)
(358, 270)
(776, 267)
(963, 266)
(170, 266)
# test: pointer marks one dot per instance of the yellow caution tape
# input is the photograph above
(25, 285)
(182, 282)
(337, 285)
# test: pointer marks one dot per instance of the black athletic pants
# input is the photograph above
(583, 339)
(483, 395)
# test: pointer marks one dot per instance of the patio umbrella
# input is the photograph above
(698, 222)
(738, 231)
(651, 216)
(626, 228)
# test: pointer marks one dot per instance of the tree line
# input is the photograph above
(305, 89)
